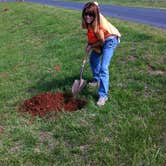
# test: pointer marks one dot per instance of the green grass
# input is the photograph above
(135, 3)
(129, 130)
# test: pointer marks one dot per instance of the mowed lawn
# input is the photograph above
(129, 130)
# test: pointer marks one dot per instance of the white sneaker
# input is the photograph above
(101, 101)
(93, 83)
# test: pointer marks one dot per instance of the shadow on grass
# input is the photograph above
(63, 85)
(45, 85)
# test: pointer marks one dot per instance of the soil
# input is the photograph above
(57, 68)
(44, 103)
(153, 71)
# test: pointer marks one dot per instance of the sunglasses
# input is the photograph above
(89, 14)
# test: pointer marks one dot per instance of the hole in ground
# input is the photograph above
(44, 103)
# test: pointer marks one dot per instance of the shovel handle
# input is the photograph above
(83, 65)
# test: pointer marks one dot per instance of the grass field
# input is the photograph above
(129, 130)
(140, 3)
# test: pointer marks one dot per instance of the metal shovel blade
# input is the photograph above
(78, 85)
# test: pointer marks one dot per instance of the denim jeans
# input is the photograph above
(100, 65)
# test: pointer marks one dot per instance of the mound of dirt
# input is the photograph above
(44, 103)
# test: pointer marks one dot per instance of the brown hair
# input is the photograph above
(94, 9)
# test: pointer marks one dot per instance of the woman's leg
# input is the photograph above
(108, 51)
(95, 65)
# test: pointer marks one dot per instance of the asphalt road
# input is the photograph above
(149, 16)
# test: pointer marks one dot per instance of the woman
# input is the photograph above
(103, 38)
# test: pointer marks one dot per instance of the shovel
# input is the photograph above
(78, 85)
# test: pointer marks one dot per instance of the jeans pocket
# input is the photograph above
(109, 44)
(112, 43)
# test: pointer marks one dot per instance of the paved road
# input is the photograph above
(153, 17)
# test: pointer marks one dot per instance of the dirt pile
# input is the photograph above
(44, 103)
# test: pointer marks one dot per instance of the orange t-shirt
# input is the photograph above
(91, 36)
(108, 29)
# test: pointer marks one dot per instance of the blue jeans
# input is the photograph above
(100, 65)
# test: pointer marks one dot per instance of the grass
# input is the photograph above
(128, 130)
(133, 3)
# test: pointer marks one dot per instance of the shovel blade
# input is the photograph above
(78, 85)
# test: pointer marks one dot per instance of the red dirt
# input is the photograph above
(57, 68)
(44, 103)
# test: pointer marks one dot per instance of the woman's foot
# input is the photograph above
(102, 101)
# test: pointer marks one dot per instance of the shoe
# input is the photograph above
(101, 101)
(93, 83)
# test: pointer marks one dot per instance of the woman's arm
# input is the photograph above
(100, 41)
